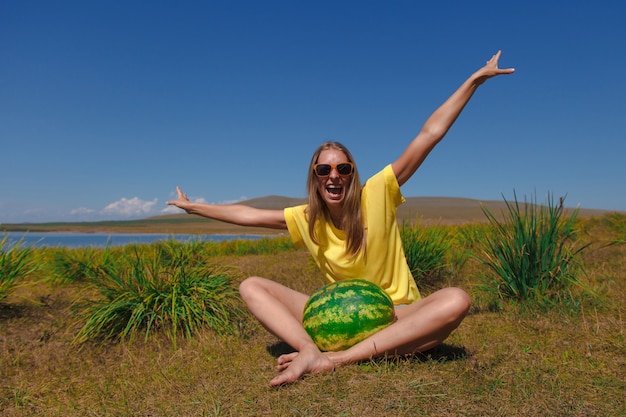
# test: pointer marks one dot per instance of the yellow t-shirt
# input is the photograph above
(383, 262)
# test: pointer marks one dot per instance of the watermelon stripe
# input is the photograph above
(342, 314)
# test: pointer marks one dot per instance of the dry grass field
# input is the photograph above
(507, 362)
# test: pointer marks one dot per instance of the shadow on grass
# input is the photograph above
(12, 311)
(441, 353)
(279, 348)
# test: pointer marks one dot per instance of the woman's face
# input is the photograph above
(334, 186)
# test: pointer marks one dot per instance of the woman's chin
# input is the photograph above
(333, 199)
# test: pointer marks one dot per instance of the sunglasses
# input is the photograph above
(324, 170)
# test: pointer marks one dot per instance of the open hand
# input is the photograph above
(181, 202)
(491, 69)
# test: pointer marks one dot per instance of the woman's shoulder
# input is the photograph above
(385, 175)
(384, 182)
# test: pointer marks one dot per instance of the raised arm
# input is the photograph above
(438, 124)
(232, 213)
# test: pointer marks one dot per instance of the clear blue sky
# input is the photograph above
(107, 106)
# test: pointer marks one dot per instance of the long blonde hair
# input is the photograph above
(352, 218)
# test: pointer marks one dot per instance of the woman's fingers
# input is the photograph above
(181, 195)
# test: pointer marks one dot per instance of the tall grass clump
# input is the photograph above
(533, 253)
(80, 264)
(426, 250)
(160, 288)
(15, 263)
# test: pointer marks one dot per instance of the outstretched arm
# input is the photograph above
(438, 124)
(232, 213)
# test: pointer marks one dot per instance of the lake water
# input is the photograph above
(77, 240)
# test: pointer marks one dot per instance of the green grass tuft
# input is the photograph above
(162, 287)
(16, 263)
(426, 250)
(533, 255)
(80, 264)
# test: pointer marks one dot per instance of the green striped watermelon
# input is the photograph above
(343, 313)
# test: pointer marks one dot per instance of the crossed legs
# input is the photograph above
(420, 326)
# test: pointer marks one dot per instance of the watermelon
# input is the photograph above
(341, 314)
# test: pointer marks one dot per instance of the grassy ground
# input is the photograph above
(498, 363)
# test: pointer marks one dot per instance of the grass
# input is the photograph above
(160, 288)
(510, 362)
(79, 264)
(426, 250)
(533, 254)
(16, 264)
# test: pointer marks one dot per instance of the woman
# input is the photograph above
(352, 231)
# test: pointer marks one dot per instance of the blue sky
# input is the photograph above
(105, 107)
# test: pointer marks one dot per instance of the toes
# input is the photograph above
(282, 379)
(286, 358)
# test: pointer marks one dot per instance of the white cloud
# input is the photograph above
(82, 211)
(176, 210)
(126, 208)
(171, 210)
(122, 209)
(130, 207)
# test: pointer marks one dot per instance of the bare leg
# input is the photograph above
(279, 309)
(420, 326)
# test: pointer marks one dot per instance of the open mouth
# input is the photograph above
(334, 191)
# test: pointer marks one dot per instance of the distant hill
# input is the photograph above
(448, 210)
(428, 210)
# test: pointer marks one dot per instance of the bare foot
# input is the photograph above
(297, 364)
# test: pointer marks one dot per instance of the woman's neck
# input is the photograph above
(336, 216)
